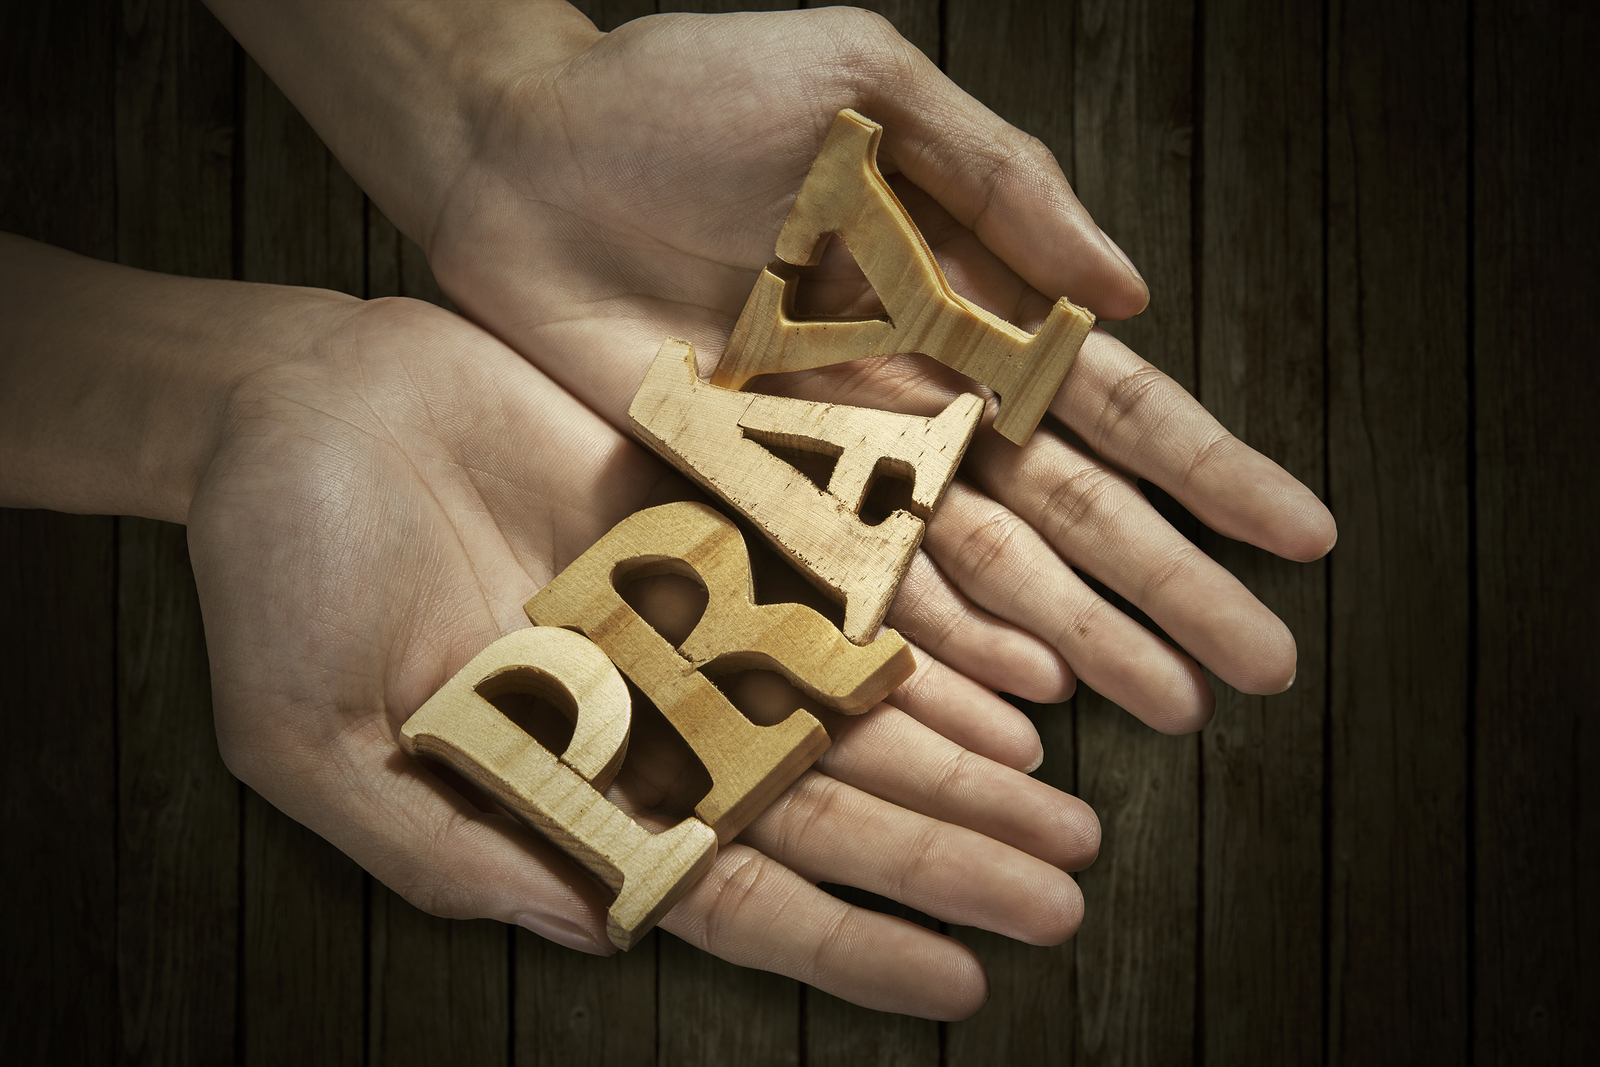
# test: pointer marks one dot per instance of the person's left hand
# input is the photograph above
(631, 192)
(376, 511)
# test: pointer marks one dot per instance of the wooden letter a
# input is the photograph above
(716, 437)
(560, 797)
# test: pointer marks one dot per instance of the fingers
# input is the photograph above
(934, 614)
(753, 911)
(828, 831)
(1004, 563)
(937, 777)
(1143, 421)
(997, 181)
(957, 708)
(1097, 519)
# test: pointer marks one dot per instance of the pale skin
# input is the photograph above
(584, 195)
(580, 197)
(372, 489)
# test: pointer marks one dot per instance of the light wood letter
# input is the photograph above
(714, 435)
(560, 797)
(749, 765)
(844, 193)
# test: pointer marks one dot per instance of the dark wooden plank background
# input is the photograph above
(1370, 232)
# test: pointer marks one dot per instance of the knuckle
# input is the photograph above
(1082, 497)
(1218, 445)
(988, 541)
(1130, 394)
(952, 777)
(747, 886)
(939, 626)
(921, 856)
(808, 811)
(1018, 160)
(1163, 575)
(867, 44)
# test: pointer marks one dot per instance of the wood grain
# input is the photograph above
(304, 903)
(1131, 162)
(720, 6)
(439, 988)
(749, 764)
(58, 583)
(722, 438)
(607, 15)
(1101, 84)
(715, 1013)
(1397, 478)
(1535, 227)
(1261, 373)
(179, 808)
(845, 197)
(836, 1031)
(701, 996)
(576, 1010)
(1032, 1014)
(558, 794)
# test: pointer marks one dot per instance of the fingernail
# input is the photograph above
(1292, 677)
(1121, 255)
(563, 932)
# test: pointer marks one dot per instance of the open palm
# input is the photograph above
(377, 512)
(632, 192)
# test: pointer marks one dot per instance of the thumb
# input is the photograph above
(996, 180)
(428, 843)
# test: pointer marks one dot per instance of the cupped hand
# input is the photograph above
(631, 192)
(377, 510)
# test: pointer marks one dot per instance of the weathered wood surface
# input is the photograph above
(559, 793)
(1533, 383)
(720, 438)
(846, 197)
(1260, 360)
(58, 585)
(1397, 401)
(1368, 232)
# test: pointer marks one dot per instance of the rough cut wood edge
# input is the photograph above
(648, 872)
(749, 765)
(845, 194)
(713, 435)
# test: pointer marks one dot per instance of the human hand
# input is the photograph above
(375, 511)
(630, 193)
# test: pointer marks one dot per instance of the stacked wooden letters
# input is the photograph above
(585, 637)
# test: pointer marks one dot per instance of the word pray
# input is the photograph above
(585, 637)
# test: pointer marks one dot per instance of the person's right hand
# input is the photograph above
(585, 196)
(630, 193)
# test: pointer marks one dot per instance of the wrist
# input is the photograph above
(401, 93)
(116, 384)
